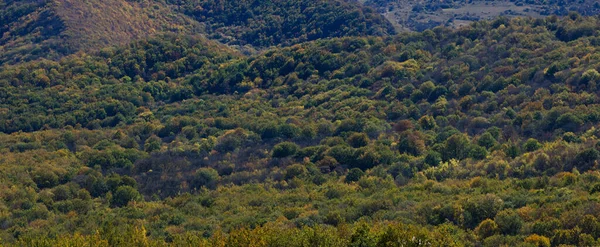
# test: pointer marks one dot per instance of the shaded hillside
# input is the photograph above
(268, 23)
(28, 28)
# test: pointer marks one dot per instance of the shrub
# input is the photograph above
(538, 241)
(478, 152)
(595, 188)
(343, 154)
(479, 208)
(205, 176)
(565, 237)
(541, 162)
(62, 192)
(433, 158)
(589, 225)
(44, 178)
(294, 171)
(411, 143)
(427, 122)
(456, 147)
(354, 175)
(269, 131)
(509, 222)
(358, 140)
(368, 158)
(531, 145)
(362, 237)
(403, 125)
(285, 149)
(486, 140)
(546, 227)
(487, 228)
(571, 137)
(152, 144)
(289, 131)
(585, 160)
(124, 195)
(231, 140)
(588, 76)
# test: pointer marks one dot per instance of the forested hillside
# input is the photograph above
(482, 136)
(51, 29)
(267, 23)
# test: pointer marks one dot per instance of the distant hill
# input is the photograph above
(418, 15)
(53, 28)
(32, 29)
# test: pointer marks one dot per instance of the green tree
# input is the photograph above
(285, 149)
(487, 228)
(479, 208)
(477, 152)
(124, 195)
(486, 140)
(456, 147)
(427, 122)
(433, 158)
(531, 145)
(358, 140)
(569, 122)
(289, 131)
(411, 143)
(152, 144)
(294, 171)
(509, 222)
(44, 178)
(585, 160)
(231, 140)
(512, 150)
(589, 225)
(538, 241)
(354, 175)
(362, 237)
(205, 176)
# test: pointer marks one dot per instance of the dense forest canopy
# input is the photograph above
(485, 135)
(268, 23)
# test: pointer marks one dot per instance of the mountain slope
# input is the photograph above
(268, 23)
(178, 139)
(94, 24)
(26, 27)
(54, 28)
(34, 29)
(486, 135)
